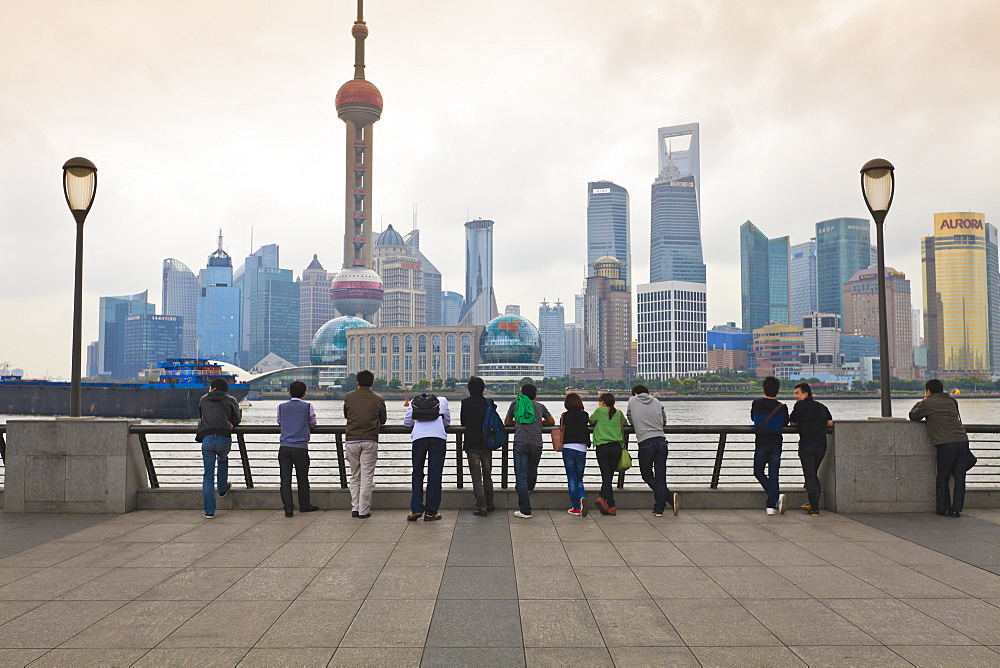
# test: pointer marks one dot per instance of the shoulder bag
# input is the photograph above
(559, 435)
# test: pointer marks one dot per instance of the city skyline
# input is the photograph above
(245, 138)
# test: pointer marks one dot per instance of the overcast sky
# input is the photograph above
(209, 113)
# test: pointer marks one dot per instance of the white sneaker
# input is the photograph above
(518, 513)
(772, 511)
(781, 504)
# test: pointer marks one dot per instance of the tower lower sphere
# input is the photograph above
(357, 292)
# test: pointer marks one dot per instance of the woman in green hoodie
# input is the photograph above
(609, 438)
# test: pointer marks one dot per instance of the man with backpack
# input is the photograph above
(951, 442)
(477, 413)
(529, 416)
(427, 416)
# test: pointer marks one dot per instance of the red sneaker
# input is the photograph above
(573, 511)
(612, 511)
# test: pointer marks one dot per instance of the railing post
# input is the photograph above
(717, 471)
(459, 477)
(148, 458)
(3, 448)
(505, 462)
(247, 475)
(341, 464)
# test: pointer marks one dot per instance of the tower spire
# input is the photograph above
(220, 238)
(360, 32)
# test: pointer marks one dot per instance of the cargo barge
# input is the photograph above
(175, 396)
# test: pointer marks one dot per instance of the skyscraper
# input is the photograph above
(270, 315)
(608, 225)
(576, 346)
(219, 309)
(993, 288)
(149, 340)
(91, 360)
(403, 299)
(608, 320)
(764, 272)
(451, 308)
(821, 344)
(480, 301)
(180, 297)
(956, 296)
(357, 290)
(861, 315)
(552, 329)
(672, 321)
(843, 247)
(114, 311)
(431, 281)
(801, 280)
(675, 231)
(315, 305)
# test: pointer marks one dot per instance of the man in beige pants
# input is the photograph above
(365, 413)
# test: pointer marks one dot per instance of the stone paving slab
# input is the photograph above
(709, 588)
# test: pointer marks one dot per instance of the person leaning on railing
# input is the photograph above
(609, 439)
(529, 416)
(480, 458)
(218, 413)
(812, 419)
(365, 413)
(649, 420)
(947, 434)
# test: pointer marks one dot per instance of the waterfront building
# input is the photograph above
(328, 348)
(721, 359)
(821, 345)
(764, 277)
(575, 346)
(843, 247)
(671, 324)
(113, 313)
(431, 281)
(993, 295)
(91, 360)
(410, 354)
(777, 349)
(510, 348)
(607, 321)
(801, 280)
(480, 301)
(403, 298)
(956, 296)
(861, 315)
(727, 348)
(675, 226)
(917, 321)
(315, 305)
(180, 298)
(608, 226)
(451, 308)
(270, 316)
(219, 314)
(578, 304)
(853, 348)
(552, 329)
(357, 289)
(149, 340)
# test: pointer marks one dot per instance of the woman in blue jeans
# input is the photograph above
(576, 440)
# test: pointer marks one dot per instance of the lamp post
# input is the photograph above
(877, 185)
(79, 186)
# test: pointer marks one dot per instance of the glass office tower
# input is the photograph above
(764, 277)
(675, 225)
(608, 225)
(843, 246)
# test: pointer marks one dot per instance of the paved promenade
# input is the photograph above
(249, 588)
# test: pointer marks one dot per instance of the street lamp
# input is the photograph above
(877, 185)
(79, 186)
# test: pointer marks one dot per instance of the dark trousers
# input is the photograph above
(770, 456)
(480, 468)
(526, 459)
(432, 450)
(951, 462)
(299, 458)
(811, 458)
(653, 454)
(608, 456)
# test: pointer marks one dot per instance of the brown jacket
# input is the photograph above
(365, 413)
(944, 424)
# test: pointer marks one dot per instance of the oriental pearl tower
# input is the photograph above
(357, 289)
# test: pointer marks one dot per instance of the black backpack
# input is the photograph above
(426, 408)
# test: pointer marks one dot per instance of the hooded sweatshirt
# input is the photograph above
(219, 414)
(647, 416)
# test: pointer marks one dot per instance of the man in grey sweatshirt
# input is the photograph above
(649, 420)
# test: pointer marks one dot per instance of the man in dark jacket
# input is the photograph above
(480, 458)
(365, 413)
(769, 418)
(947, 435)
(219, 414)
(812, 419)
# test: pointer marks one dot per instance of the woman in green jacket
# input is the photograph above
(609, 438)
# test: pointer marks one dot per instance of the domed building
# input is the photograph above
(329, 345)
(510, 348)
(403, 297)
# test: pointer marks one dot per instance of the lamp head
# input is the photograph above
(79, 186)
(877, 185)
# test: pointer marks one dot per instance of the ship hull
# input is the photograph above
(177, 403)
